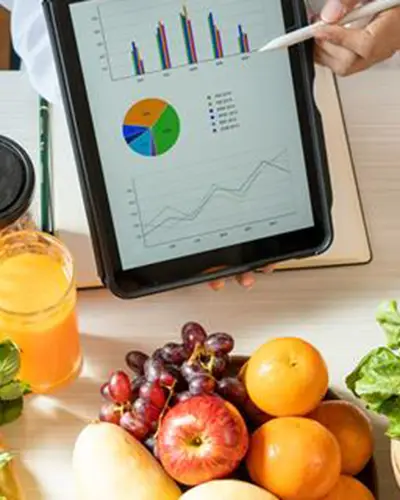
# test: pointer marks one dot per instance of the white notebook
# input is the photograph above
(19, 120)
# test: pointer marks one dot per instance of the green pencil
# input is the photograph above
(45, 195)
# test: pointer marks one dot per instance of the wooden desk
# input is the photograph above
(332, 308)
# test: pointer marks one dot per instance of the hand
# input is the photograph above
(349, 50)
(246, 280)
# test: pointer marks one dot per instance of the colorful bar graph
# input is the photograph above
(188, 37)
(243, 39)
(163, 47)
(216, 38)
(138, 64)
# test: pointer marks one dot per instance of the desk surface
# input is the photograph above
(333, 308)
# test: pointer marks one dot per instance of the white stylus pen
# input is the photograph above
(308, 32)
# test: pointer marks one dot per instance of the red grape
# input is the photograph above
(154, 393)
(137, 383)
(136, 360)
(151, 445)
(157, 354)
(192, 369)
(253, 414)
(109, 413)
(202, 384)
(219, 343)
(105, 392)
(233, 390)
(174, 353)
(182, 396)
(146, 411)
(219, 364)
(120, 387)
(193, 334)
(167, 379)
(153, 369)
(136, 427)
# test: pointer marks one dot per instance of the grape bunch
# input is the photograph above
(173, 373)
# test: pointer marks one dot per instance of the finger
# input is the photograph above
(352, 64)
(336, 9)
(266, 269)
(217, 285)
(359, 41)
(247, 280)
(340, 60)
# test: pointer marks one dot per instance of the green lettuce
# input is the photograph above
(388, 317)
(376, 379)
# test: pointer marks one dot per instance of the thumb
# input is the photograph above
(336, 9)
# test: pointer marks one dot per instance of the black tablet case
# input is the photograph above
(103, 260)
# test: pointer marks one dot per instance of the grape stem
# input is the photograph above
(197, 351)
(164, 410)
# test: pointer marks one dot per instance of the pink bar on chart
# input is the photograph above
(219, 44)
(165, 46)
(191, 39)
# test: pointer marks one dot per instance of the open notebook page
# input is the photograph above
(350, 245)
(19, 120)
(69, 213)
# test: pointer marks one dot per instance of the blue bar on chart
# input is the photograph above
(163, 48)
(188, 36)
(243, 40)
(216, 38)
(138, 64)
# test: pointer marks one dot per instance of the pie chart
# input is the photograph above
(151, 127)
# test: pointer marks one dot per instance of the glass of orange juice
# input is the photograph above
(38, 308)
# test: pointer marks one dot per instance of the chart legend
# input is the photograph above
(151, 127)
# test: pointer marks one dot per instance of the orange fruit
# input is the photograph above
(353, 431)
(286, 377)
(294, 456)
(349, 488)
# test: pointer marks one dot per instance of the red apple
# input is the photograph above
(201, 439)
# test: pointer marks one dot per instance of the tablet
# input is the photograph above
(199, 157)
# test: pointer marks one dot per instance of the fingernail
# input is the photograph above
(333, 11)
(217, 285)
(247, 281)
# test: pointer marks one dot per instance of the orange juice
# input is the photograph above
(37, 308)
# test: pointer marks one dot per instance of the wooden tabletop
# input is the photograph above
(333, 308)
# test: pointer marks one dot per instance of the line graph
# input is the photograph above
(264, 195)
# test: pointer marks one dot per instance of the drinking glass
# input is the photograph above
(38, 308)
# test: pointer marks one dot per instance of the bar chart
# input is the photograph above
(179, 35)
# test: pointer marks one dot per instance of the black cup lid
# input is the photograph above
(17, 181)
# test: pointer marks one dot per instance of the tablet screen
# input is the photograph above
(198, 133)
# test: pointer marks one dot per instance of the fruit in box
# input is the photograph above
(201, 439)
(353, 431)
(227, 489)
(295, 458)
(286, 377)
(108, 464)
(348, 488)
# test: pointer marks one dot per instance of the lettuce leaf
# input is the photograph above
(376, 381)
(388, 317)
